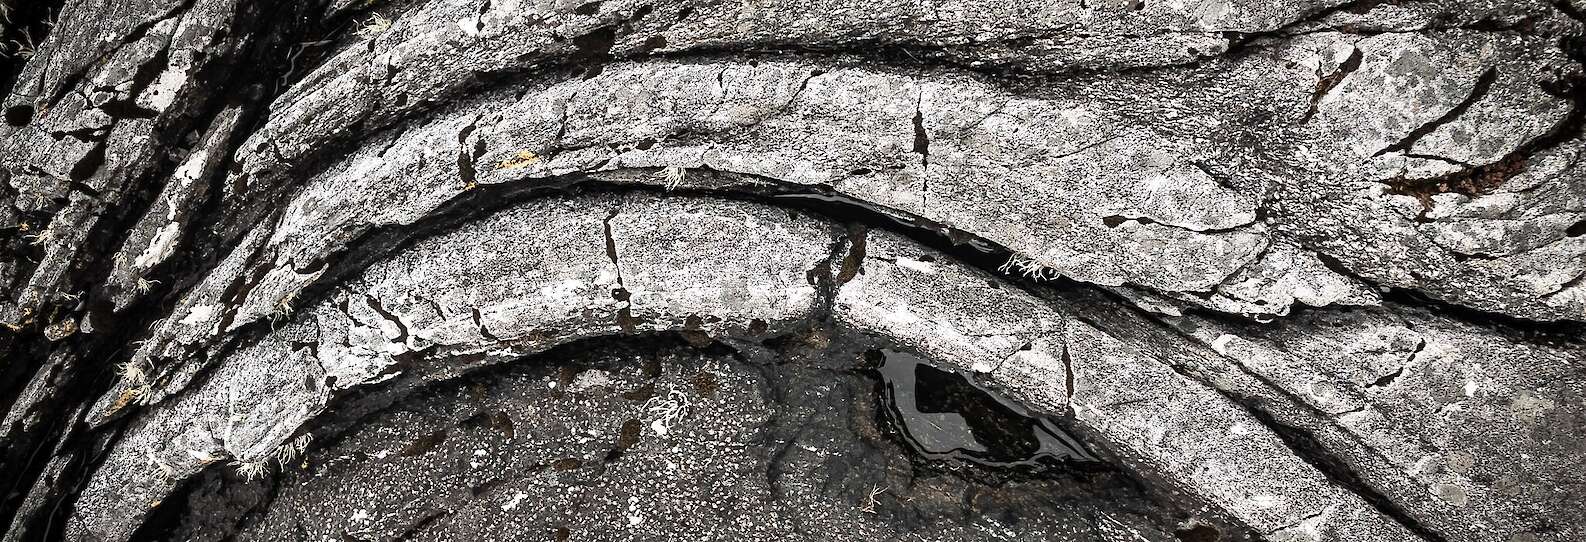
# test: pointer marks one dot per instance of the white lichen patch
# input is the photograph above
(160, 247)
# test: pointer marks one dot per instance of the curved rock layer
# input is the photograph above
(570, 268)
(1307, 270)
(561, 269)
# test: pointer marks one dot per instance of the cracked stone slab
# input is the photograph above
(566, 130)
(256, 402)
(1446, 136)
(1169, 426)
(1156, 209)
(493, 299)
(89, 109)
(1463, 417)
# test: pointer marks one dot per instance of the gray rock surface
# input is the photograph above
(619, 443)
(1292, 270)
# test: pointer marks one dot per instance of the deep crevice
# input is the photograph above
(1326, 84)
(1478, 91)
(1306, 446)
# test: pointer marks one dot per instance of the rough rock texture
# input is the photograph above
(1293, 270)
(621, 444)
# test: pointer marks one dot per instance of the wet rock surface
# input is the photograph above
(945, 415)
(651, 439)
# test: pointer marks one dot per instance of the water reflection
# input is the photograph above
(943, 415)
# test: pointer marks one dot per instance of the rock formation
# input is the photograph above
(1286, 270)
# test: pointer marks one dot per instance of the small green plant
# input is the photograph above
(668, 409)
(24, 48)
(143, 285)
(165, 468)
(139, 378)
(291, 450)
(283, 308)
(1027, 267)
(870, 506)
(376, 25)
(40, 238)
(283, 455)
(135, 372)
(674, 175)
(251, 470)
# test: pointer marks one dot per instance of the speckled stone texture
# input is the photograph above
(581, 444)
(1297, 270)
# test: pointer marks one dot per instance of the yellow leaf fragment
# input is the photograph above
(520, 160)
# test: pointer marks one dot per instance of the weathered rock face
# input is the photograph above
(1297, 270)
